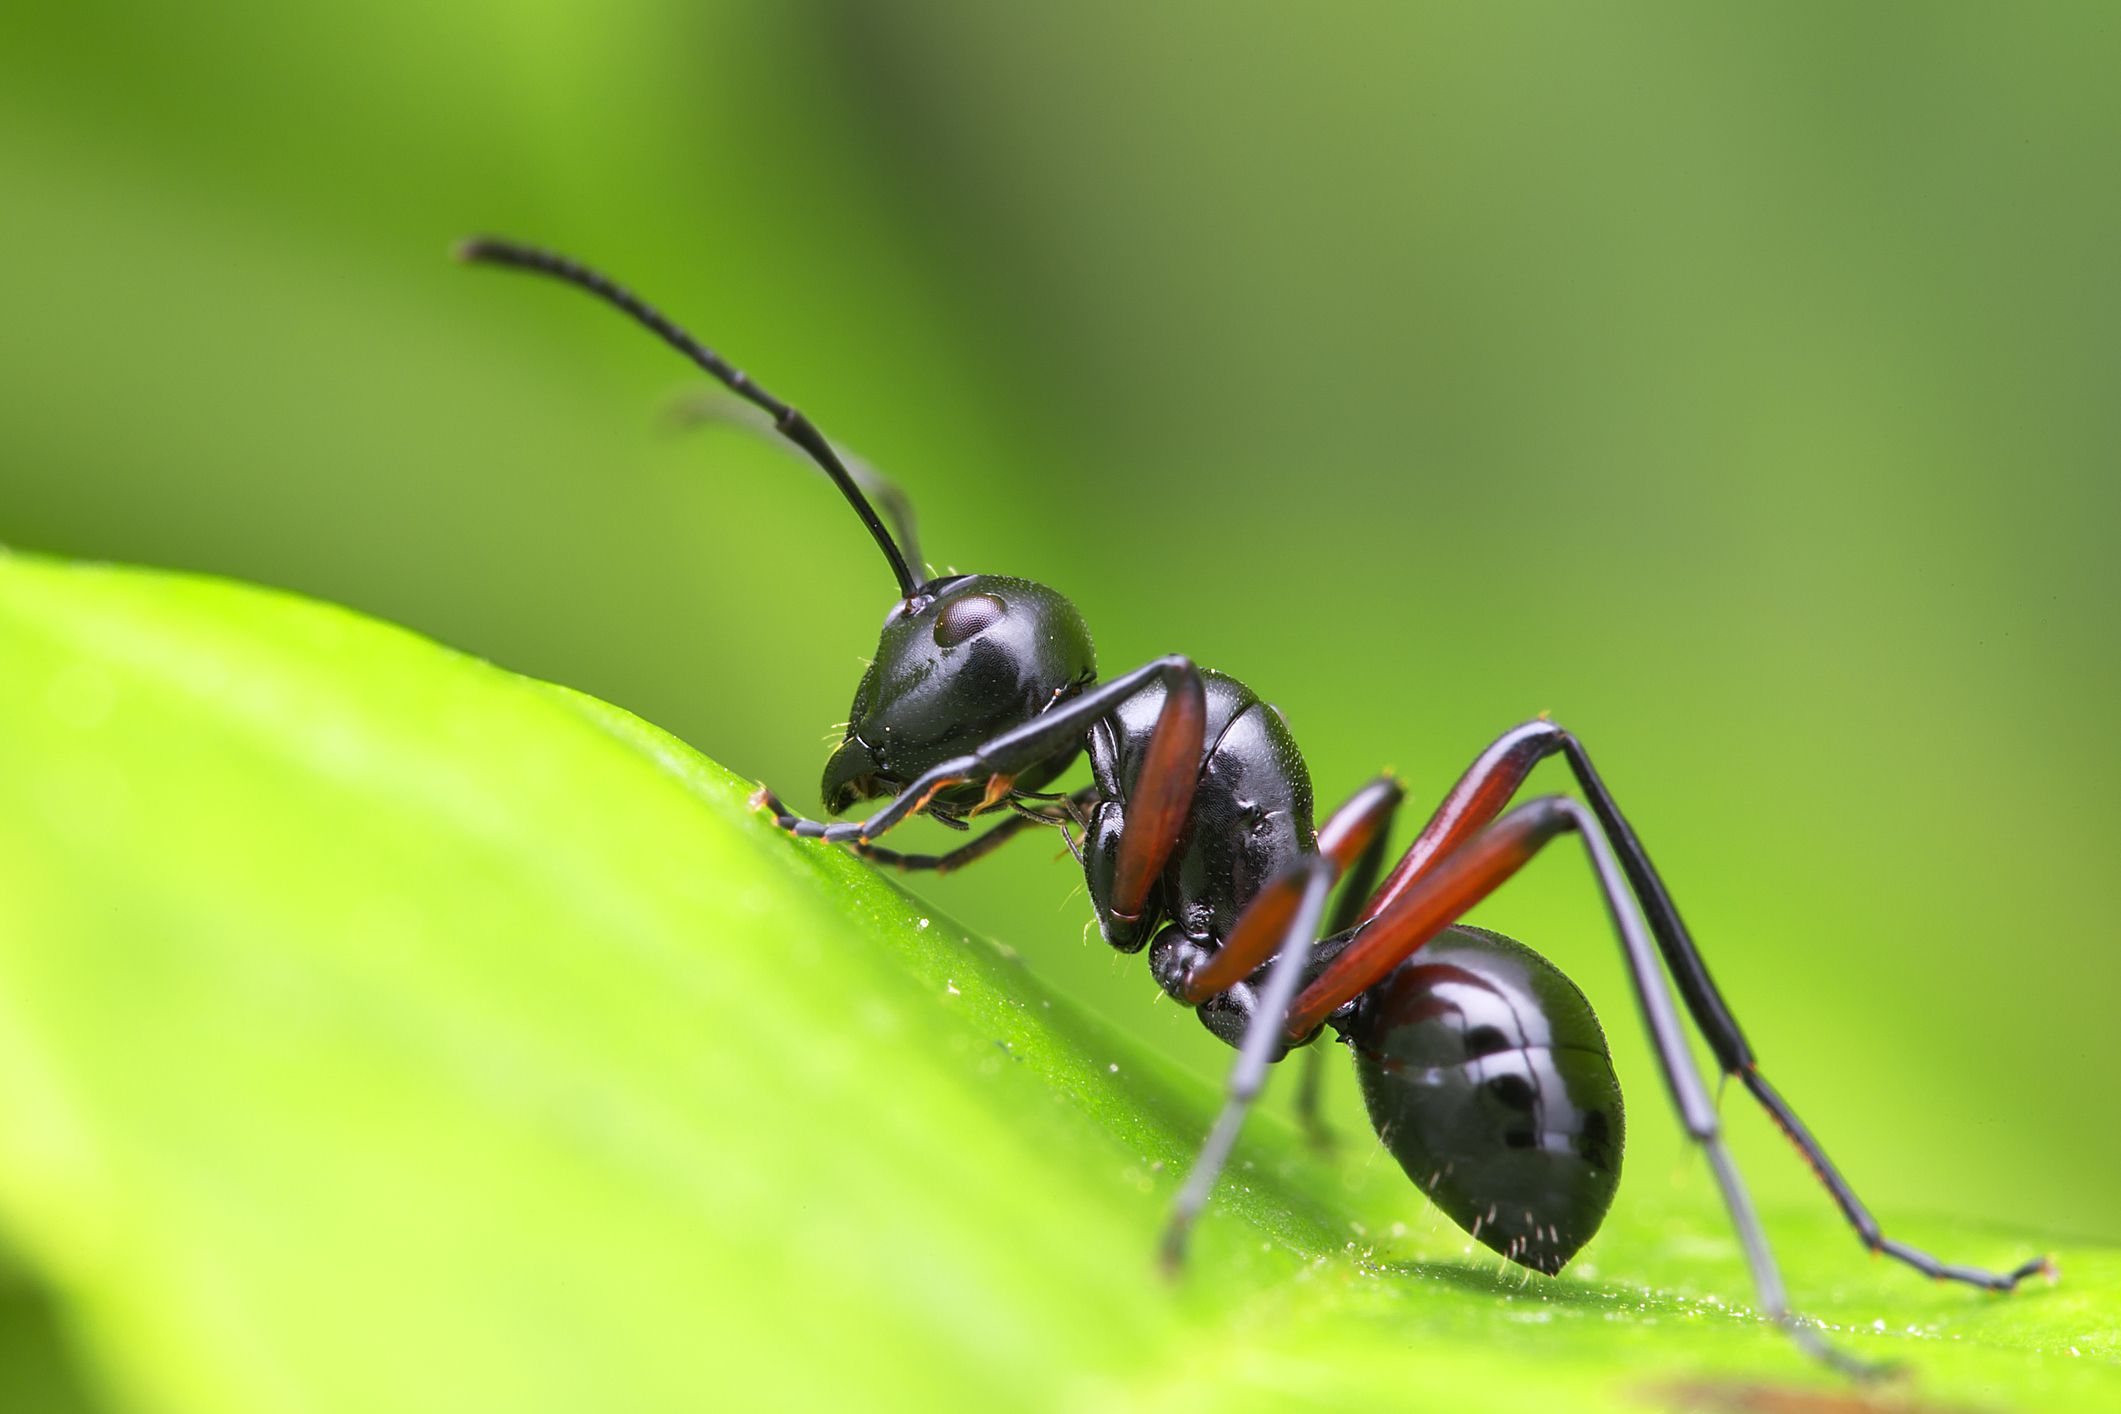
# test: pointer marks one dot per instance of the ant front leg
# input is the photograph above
(1131, 837)
(1003, 756)
(976, 849)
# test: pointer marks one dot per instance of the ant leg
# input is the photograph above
(1481, 794)
(1454, 884)
(1310, 1086)
(1362, 813)
(1469, 874)
(1472, 805)
(1354, 838)
(1153, 818)
(1017, 749)
(1261, 1048)
(969, 853)
(1279, 924)
(1713, 1016)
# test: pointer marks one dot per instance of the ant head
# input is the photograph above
(960, 660)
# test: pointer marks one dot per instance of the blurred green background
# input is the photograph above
(1736, 386)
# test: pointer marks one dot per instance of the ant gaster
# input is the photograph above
(1482, 1065)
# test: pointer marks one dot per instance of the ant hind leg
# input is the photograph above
(1713, 1016)
(1466, 875)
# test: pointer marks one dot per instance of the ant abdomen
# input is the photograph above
(1487, 1076)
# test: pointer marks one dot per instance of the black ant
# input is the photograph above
(1483, 1067)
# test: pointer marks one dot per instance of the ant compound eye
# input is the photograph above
(962, 618)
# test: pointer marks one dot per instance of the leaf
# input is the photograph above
(383, 1031)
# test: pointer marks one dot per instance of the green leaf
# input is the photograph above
(383, 1031)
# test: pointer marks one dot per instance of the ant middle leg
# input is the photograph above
(1355, 835)
(1279, 927)
(1261, 1046)
(1310, 1103)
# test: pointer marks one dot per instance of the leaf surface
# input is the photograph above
(380, 1030)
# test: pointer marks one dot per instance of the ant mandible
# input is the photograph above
(1482, 1065)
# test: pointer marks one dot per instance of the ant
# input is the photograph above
(1482, 1065)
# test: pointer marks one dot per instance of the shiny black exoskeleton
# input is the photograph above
(1488, 1079)
(1484, 1070)
(1250, 821)
(959, 661)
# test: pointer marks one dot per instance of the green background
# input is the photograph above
(1736, 387)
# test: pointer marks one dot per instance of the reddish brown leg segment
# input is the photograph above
(1362, 817)
(1162, 795)
(1259, 931)
(1459, 880)
(1480, 795)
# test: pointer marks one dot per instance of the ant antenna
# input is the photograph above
(786, 420)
